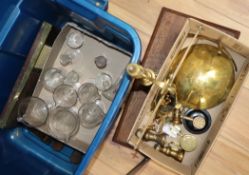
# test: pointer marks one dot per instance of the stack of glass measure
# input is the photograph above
(75, 88)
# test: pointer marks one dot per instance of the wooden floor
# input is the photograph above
(230, 154)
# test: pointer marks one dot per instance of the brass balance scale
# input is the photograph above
(200, 77)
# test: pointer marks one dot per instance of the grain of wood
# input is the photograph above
(230, 154)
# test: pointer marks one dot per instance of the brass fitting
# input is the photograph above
(150, 135)
(168, 151)
(146, 76)
(177, 119)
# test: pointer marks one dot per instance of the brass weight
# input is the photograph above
(168, 151)
(145, 75)
(176, 119)
(188, 142)
(150, 135)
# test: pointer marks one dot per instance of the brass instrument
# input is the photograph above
(203, 81)
(200, 77)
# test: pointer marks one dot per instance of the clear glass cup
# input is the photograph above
(65, 96)
(110, 93)
(91, 115)
(75, 40)
(33, 111)
(68, 57)
(72, 78)
(88, 93)
(100, 62)
(103, 81)
(63, 124)
(52, 78)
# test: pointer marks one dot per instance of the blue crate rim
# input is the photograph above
(119, 98)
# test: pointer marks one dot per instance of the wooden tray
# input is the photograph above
(168, 27)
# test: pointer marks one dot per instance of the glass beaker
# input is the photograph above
(91, 115)
(72, 78)
(88, 93)
(110, 93)
(63, 124)
(52, 78)
(75, 40)
(103, 81)
(32, 111)
(68, 57)
(65, 96)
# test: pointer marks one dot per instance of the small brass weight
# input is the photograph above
(150, 135)
(176, 119)
(162, 144)
(146, 76)
(168, 151)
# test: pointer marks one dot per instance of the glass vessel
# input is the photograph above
(91, 115)
(65, 96)
(68, 57)
(52, 78)
(32, 111)
(72, 78)
(63, 124)
(88, 93)
(103, 81)
(110, 93)
(75, 40)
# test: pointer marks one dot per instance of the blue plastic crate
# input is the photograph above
(21, 152)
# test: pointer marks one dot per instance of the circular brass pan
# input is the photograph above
(188, 142)
(205, 77)
(199, 122)
(195, 127)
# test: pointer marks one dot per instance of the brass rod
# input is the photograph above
(194, 39)
(187, 118)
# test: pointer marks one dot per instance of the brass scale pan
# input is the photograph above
(205, 77)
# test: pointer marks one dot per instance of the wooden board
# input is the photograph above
(238, 10)
(168, 26)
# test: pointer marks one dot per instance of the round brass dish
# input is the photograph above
(188, 142)
(205, 77)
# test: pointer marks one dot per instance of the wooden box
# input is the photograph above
(193, 160)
